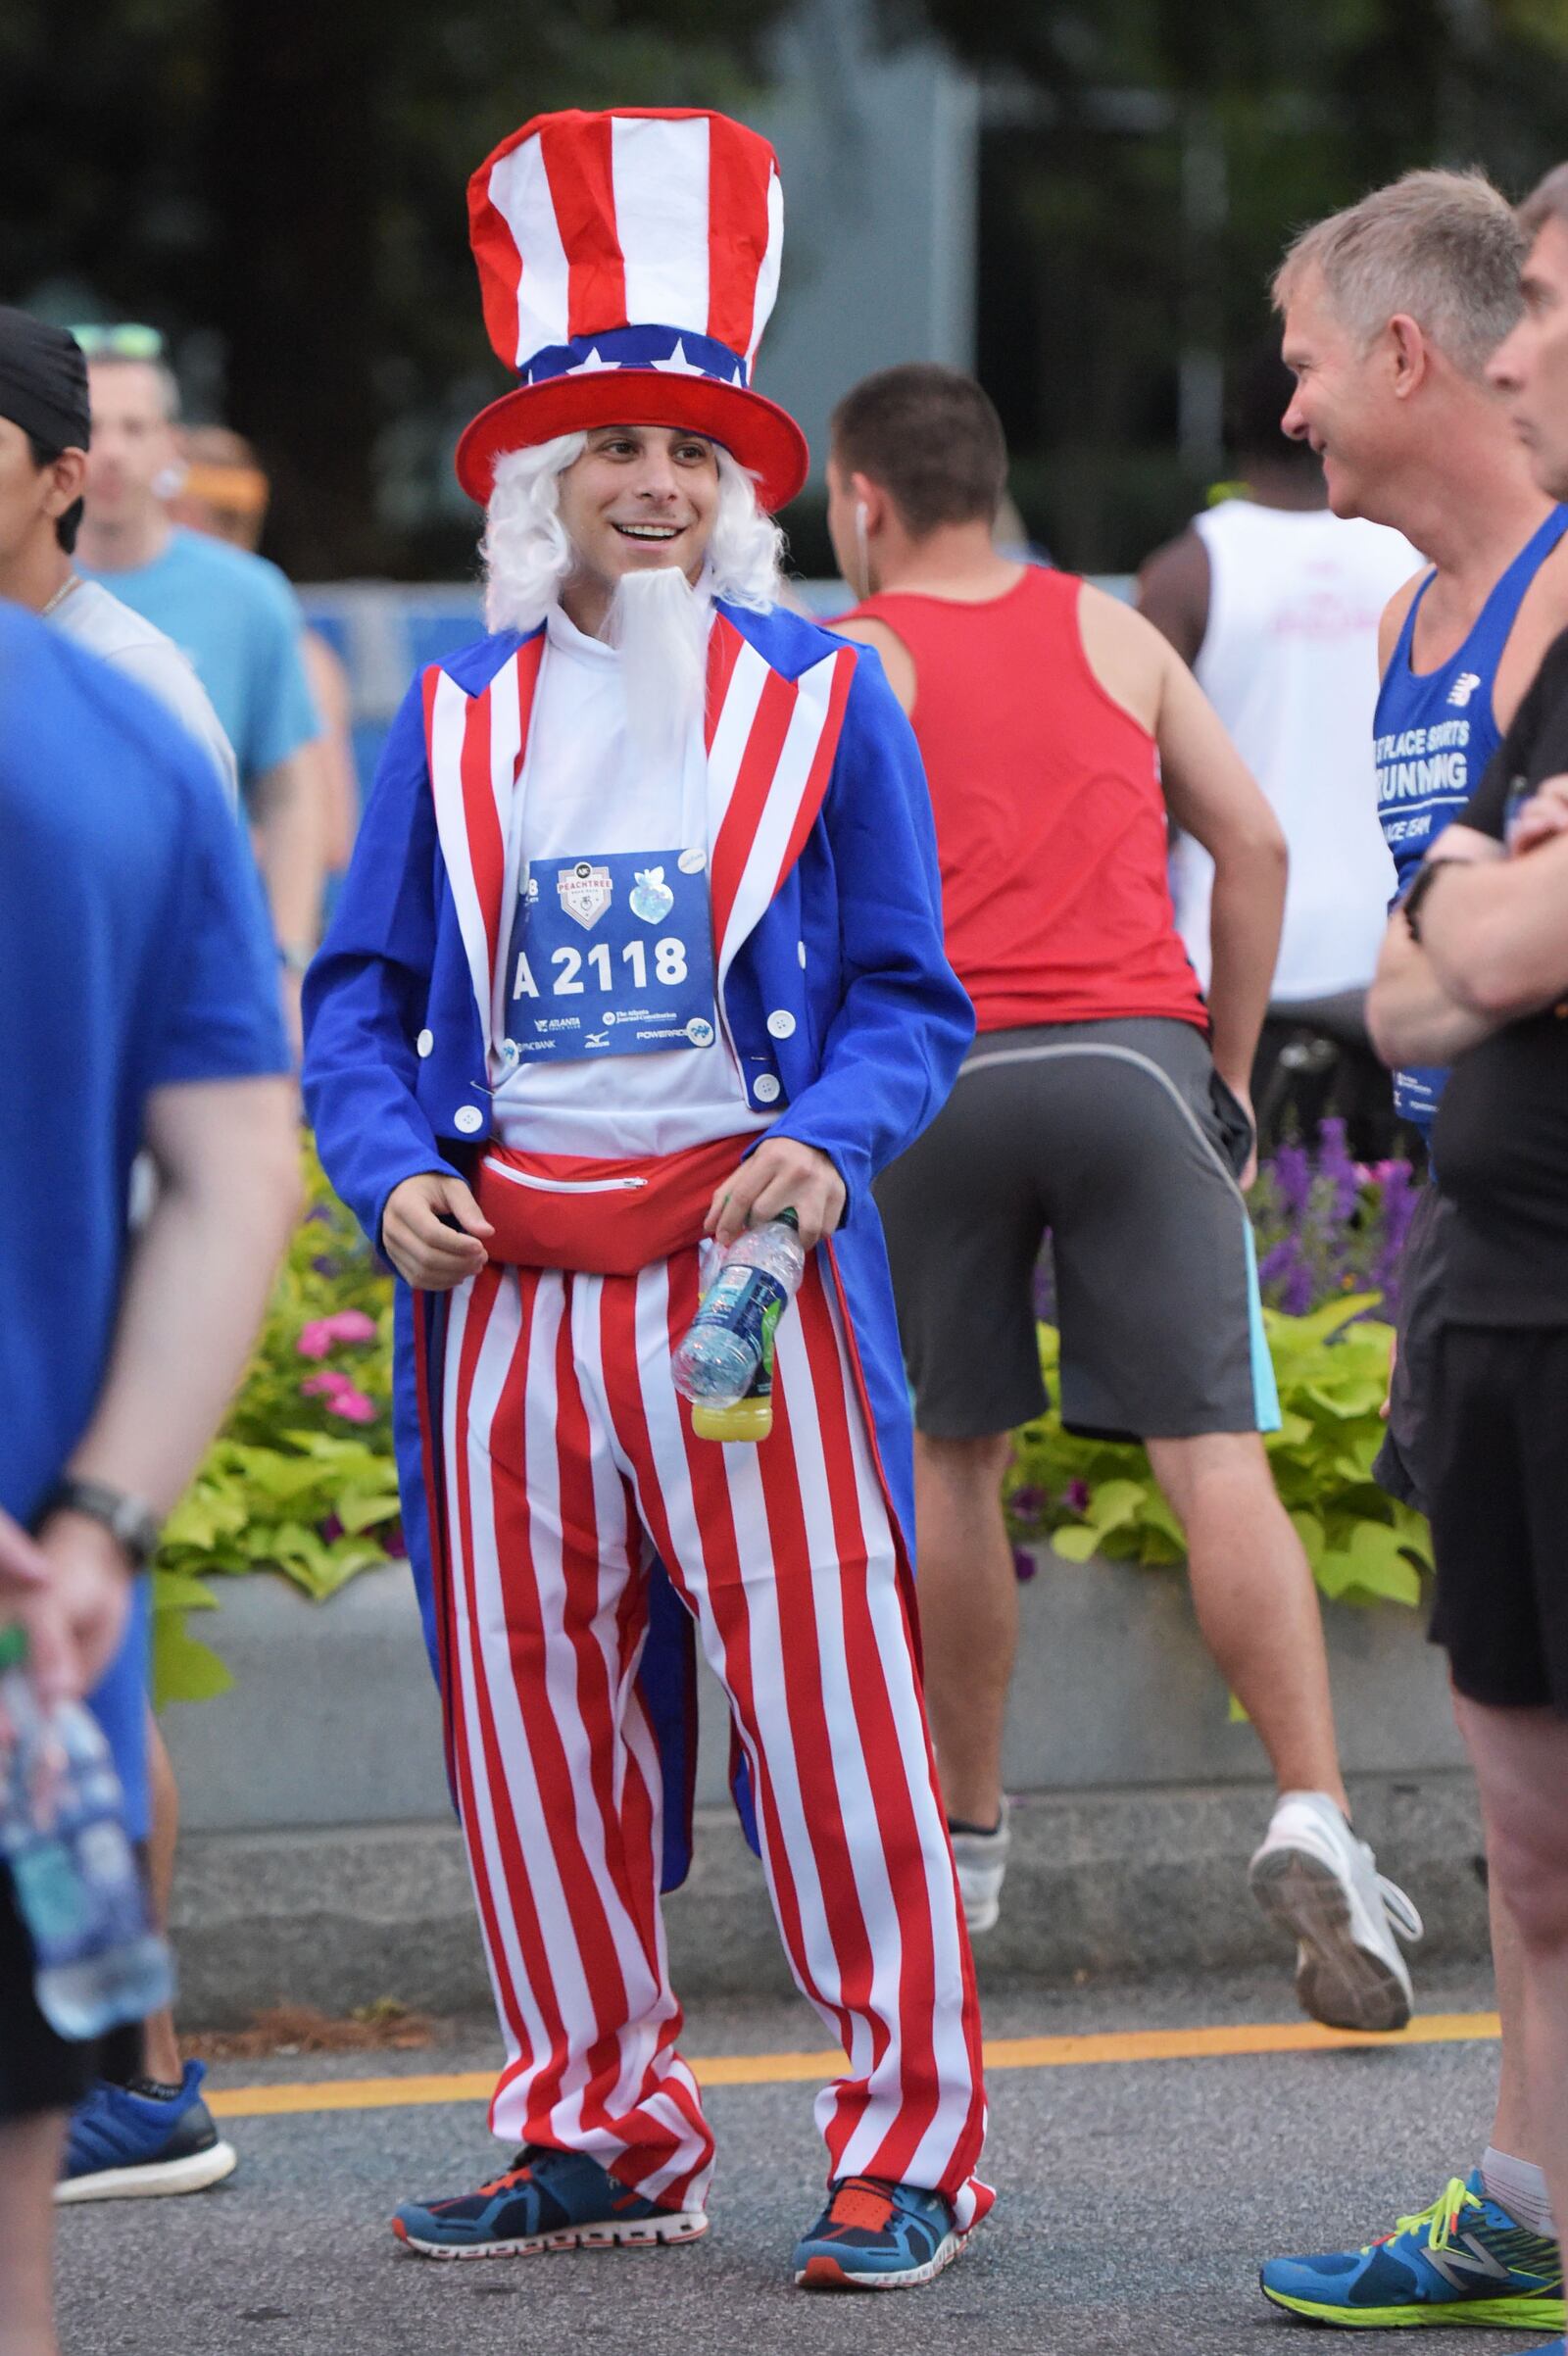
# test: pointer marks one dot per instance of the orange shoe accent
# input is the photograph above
(824, 2274)
(400, 2229)
(862, 2203)
(503, 2183)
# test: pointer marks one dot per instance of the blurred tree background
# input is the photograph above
(1144, 163)
(279, 188)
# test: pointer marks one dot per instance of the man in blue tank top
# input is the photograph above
(1392, 310)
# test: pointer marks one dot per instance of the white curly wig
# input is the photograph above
(527, 556)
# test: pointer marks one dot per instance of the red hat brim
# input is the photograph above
(757, 434)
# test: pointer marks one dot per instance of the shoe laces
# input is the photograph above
(1438, 2221)
(863, 2202)
(1401, 1910)
(518, 2173)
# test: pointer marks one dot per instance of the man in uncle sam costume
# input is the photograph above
(641, 943)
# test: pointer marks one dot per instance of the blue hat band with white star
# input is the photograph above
(672, 351)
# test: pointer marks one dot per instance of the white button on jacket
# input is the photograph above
(425, 1042)
(765, 1087)
(467, 1119)
(781, 1023)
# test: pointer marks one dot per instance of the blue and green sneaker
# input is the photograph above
(1465, 2260)
(547, 2200)
(878, 2236)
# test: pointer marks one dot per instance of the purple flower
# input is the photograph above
(1298, 1291)
(1293, 1176)
(1279, 1261)
(1028, 1504)
(1335, 1164)
(1025, 1565)
(1076, 1495)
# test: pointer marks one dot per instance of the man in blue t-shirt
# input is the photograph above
(233, 614)
(140, 987)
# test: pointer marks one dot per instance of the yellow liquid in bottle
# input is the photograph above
(750, 1418)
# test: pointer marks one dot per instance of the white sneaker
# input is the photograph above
(982, 1860)
(1318, 1882)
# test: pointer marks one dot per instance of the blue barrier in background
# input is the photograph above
(385, 632)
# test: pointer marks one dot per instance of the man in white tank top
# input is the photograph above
(1275, 602)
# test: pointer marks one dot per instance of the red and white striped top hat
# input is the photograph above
(628, 263)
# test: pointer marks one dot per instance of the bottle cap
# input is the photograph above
(13, 1649)
(786, 1218)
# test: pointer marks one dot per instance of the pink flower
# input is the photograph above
(325, 1332)
(352, 1405)
(342, 1396)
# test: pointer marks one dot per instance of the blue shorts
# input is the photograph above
(120, 1706)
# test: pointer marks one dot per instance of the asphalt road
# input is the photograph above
(1136, 2201)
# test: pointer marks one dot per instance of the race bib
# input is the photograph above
(611, 957)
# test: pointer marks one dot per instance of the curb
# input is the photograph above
(1102, 1884)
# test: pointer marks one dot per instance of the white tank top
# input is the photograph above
(1289, 661)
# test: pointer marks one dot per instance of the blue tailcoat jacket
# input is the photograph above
(868, 1027)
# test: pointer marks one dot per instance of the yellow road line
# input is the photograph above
(784, 2069)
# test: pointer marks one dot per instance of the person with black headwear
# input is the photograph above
(44, 431)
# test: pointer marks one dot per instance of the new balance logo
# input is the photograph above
(1463, 2260)
(1463, 688)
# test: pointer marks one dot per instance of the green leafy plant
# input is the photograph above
(1096, 1497)
(301, 1480)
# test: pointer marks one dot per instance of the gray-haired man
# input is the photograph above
(1392, 310)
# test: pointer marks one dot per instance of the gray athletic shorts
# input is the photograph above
(1402, 1466)
(1122, 1140)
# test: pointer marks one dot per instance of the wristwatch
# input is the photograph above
(132, 1524)
(1410, 904)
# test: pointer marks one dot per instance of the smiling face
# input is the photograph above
(1343, 403)
(639, 498)
(1530, 367)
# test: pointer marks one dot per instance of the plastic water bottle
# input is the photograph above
(725, 1364)
(97, 1962)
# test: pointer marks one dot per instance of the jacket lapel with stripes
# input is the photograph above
(770, 747)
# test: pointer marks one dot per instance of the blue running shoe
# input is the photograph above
(125, 2145)
(878, 2236)
(1465, 2260)
(546, 2200)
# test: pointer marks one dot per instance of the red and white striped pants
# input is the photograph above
(568, 1458)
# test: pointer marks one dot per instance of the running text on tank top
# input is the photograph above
(1435, 732)
(1051, 823)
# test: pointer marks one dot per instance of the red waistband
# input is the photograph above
(603, 1219)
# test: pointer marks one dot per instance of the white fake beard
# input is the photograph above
(657, 624)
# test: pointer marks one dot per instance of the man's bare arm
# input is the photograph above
(288, 827)
(1497, 935)
(1411, 1015)
(1215, 798)
(1174, 589)
(196, 1285)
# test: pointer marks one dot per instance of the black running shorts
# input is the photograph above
(38, 2070)
(1121, 1139)
(1498, 1411)
(1404, 1464)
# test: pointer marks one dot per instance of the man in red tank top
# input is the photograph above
(1104, 1101)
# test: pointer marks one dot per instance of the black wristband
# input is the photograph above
(1410, 904)
(133, 1526)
